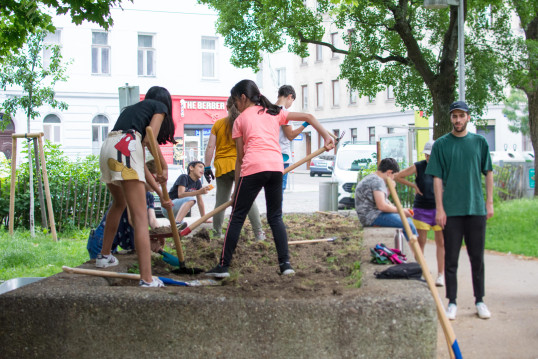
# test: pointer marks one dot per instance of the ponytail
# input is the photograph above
(252, 92)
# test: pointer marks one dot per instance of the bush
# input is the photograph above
(69, 182)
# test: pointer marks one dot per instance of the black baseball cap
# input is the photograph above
(459, 105)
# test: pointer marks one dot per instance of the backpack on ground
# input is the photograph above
(383, 255)
(401, 271)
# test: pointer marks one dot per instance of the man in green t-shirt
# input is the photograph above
(457, 161)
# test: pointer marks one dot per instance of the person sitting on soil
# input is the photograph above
(371, 199)
(186, 191)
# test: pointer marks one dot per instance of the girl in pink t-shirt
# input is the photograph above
(259, 165)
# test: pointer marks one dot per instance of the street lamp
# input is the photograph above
(441, 4)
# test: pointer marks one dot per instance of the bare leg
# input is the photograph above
(440, 251)
(422, 238)
(135, 195)
(184, 210)
(113, 217)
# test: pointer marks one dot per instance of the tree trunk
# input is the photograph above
(533, 129)
(441, 116)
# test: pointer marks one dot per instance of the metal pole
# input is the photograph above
(461, 52)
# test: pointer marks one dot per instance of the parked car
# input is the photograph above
(351, 158)
(322, 165)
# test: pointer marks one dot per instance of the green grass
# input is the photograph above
(513, 228)
(24, 256)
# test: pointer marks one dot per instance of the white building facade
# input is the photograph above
(173, 45)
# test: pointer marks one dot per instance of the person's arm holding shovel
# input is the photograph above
(310, 119)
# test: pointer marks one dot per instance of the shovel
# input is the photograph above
(223, 206)
(133, 276)
(182, 268)
(453, 347)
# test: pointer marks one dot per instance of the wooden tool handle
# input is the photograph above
(223, 206)
(166, 198)
(101, 273)
(445, 324)
(312, 241)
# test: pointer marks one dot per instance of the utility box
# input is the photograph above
(129, 95)
(328, 196)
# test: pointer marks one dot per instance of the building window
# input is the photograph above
(100, 53)
(353, 95)
(146, 56)
(304, 61)
(390, 92)
(52, 39)
(334, 42)
(209, 54)
(99, 132)
(353, 132)
(371, 135)
(281, 76)
(336, 93)
(51, 128)
(319, 53)
(304, 96)
(319, 95)
(390, 129)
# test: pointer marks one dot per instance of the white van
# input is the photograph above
(350, 159)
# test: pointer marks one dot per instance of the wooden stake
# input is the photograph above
(47, 188)
(12, 189)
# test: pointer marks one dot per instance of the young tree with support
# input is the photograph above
(27, 73)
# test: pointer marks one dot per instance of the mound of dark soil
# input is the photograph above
(322, 269)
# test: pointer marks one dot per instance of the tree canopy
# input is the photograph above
(36, 80)
(21, 18)
(386, 43)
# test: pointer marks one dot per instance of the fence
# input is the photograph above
(79, 203)
(509, 181)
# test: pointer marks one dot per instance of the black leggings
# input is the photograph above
(472, 229)
(247, 191)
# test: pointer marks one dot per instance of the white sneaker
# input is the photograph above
(157, 283)
(482, 309)
(451, 311)
(106, 261)
(440, 282)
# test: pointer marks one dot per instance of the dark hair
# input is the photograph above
(252, 92)
(166, 133)
(286, 90)
(233, 113)
(388, 164)
(193, 164)
(152, 167)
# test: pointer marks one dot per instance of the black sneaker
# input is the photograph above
(181, 225)
(218, 272)
(286, 269)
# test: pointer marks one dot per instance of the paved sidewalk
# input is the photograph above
(512, 298)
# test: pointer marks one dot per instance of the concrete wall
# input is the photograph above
(69, 316)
